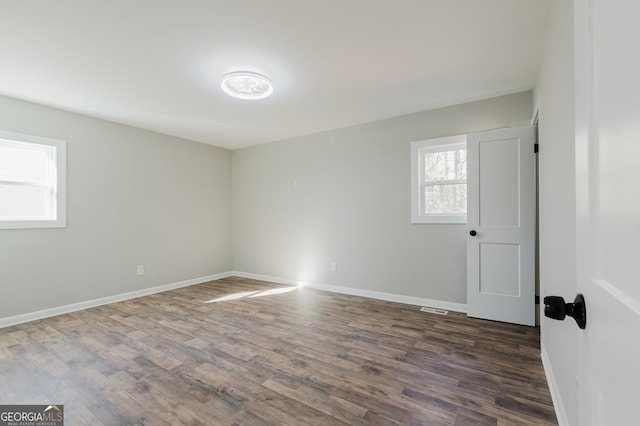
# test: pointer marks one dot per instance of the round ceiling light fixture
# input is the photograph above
(246, 85)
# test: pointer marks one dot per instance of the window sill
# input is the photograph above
(32, 224)
(443, 219)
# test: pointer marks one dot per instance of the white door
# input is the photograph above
(501, 225)
(608, 209)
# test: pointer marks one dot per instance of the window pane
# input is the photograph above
(445, 165)
(29, 163)
(445, 199)
(23, 202)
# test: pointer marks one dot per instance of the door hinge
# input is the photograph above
(535, 148)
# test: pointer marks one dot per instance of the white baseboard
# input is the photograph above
(390, 297)
(270, 278)
(409, 300)
(32, 316)
(561, 412)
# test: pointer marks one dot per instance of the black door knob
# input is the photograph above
(556, 308)
(473, 233)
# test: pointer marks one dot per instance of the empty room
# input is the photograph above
(304, 212)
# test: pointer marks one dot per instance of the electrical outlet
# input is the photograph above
(140, 269)
(333, 266)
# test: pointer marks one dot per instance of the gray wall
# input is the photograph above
(133, 197)
(344, 196)
(558, 205)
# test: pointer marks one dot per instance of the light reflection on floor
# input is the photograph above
(250, 294)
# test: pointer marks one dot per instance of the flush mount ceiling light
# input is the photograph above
(246, 85)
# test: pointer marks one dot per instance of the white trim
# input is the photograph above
(536, 110)
(389, 297)
(269, 278)
(32, 316)
(558, 406)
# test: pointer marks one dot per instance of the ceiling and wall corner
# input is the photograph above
(157, 65)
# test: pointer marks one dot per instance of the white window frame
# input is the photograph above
(417, 179)
(56, 185)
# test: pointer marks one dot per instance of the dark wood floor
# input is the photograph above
(264, 353)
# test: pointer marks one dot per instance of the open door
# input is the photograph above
(501, 225)
(607, 106)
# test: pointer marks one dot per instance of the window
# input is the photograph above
(32, 182)
(439, 180)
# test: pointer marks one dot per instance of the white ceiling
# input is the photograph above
(156, 64)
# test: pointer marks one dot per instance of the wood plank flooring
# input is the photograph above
(244, 352)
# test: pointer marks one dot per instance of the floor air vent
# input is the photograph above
(433, 310)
